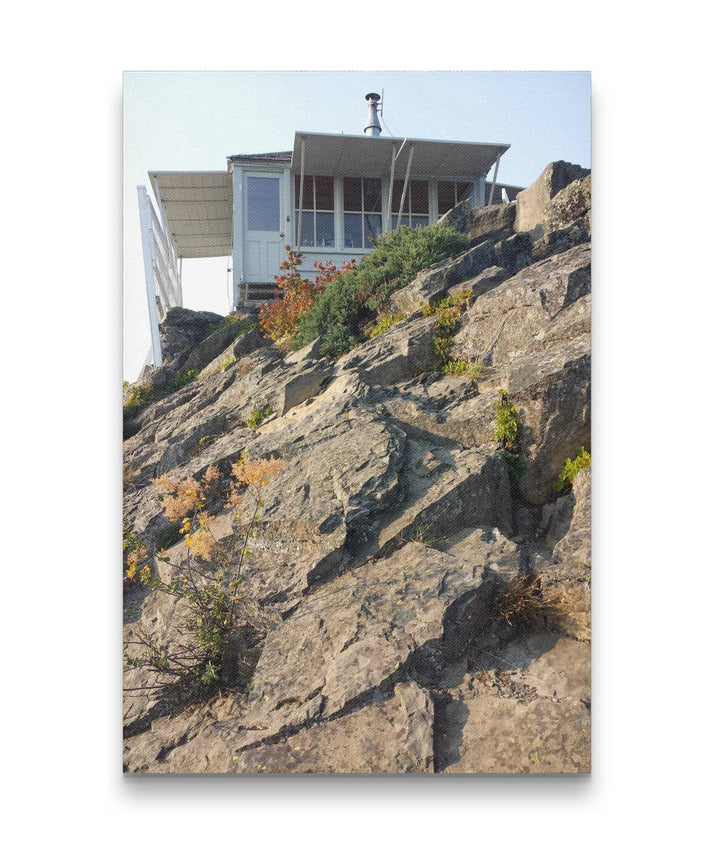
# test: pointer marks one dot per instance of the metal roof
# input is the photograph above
(267, 156)
(342, 154)
(198, 211)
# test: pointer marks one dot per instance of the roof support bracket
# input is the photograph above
(494, 181)
(405, 187)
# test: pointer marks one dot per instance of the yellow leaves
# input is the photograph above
(201, 544)
(257, 473)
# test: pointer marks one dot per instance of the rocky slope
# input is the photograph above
(388, 540)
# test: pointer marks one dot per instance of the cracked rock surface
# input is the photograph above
(386, 544)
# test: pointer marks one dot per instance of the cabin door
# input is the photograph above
(264, 238)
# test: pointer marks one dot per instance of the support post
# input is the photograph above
(302, 187)
(492, 188)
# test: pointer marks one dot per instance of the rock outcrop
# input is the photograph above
(390, 543)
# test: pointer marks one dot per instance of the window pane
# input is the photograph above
(446, 196)
(373, 227)
(263, 204)
(405, 220)
(324, 193)
(418, 221)
(325, 223)
(353, 196)
(419, 197)
(353, 230)
(307, 238)
(373, 194)
(397, 194)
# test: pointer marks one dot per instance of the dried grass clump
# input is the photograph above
(526, 604)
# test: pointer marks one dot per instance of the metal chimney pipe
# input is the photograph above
(372, 129)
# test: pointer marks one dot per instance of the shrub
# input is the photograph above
(471, 370)
(138, 399)
(506, 434)
(182, 379)
(354, 297)
(385, 323)
(207, 581)
(447, 312)
(296, 296)
(258, 417)
(572, 467)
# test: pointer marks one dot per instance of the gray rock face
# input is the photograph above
(492, 223)
(531, 203)
(385, 545)
(183, 329)
(566, 221)
(433, 283)
(355, 634)
(401, 352)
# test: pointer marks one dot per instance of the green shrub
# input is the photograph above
(138, 399)
(505, 434)
(473, 370)
(572, 467)
(182, 379)
(257, 417)
(385, 323)
(354, 297)
(447, 312)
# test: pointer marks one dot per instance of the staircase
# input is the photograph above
(254, 293)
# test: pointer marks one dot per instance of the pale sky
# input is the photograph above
(194, 120)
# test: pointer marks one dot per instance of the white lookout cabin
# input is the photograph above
(328, 198)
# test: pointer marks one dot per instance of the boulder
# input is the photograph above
(532, 202)
(182, 329)
(492, 223)
(434, 282)
(566, 221)
(395, 355)
(514, 253)
(569, 535)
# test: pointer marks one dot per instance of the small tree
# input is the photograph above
(208, 578)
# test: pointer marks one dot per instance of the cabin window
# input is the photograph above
(263, 203)
(362, 211)
(318, 211)
(416, 207)
(450, 193)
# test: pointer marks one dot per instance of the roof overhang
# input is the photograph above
(341, 154)
(197, 208)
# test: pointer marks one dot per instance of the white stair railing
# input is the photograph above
(162, 277)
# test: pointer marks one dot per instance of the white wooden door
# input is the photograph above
(264, 238)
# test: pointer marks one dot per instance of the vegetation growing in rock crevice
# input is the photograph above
(572, 467)
(207, 581)
(447, 312)
(507, 426)
(525, 604)
(258, 416)
(385, 323)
